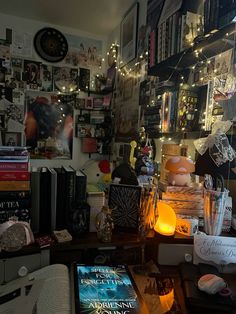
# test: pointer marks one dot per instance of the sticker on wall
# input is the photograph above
(50, 44)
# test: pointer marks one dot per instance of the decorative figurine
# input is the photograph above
(179, 168)
(104, 224)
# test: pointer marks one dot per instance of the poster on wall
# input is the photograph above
(48, 126)
(65, 79)
(83, 51)
(46, 77)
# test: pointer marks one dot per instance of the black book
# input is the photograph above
(69, 191)
(53, 186)
(35, 199)
(80, 186)
(60, 200)
(45, 201)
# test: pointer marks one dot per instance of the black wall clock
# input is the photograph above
(50, 44)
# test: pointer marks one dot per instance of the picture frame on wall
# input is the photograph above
(12, 139)
(128, 35)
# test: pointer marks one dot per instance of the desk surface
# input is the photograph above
(161, 290)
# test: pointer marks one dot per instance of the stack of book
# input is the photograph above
(15, 199)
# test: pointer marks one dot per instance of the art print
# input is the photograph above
(83, 51)
(12, 139)
(31, 74)
(129, 35)
(65, 79)
(46, 77)
(125, 203)
(48, 126)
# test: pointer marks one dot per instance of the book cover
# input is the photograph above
(125, 203)
(15, 185)
(35, 199)
(188, 113)
(14, 175)
(106, 289)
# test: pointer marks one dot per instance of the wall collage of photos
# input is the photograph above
(37, 98)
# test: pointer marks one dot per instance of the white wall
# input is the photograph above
(31, 27)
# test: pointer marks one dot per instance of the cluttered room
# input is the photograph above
(118, 157)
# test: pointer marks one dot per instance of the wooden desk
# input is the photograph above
(151, 287)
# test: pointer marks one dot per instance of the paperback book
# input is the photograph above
(106, 289)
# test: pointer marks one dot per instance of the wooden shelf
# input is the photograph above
(212, 45)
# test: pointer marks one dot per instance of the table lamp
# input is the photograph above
(166, 220)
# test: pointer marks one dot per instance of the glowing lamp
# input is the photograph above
(166, 220)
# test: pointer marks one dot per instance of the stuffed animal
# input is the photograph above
(98, 172)
(179, 168)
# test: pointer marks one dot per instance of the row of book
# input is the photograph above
(46, 197)
(173, 35)
(15, 197)
(56, 194)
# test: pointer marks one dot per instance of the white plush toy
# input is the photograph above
(97, 171)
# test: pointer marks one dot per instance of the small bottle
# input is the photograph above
(104, 224)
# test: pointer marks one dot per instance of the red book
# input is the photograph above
(14, 166)
(14, 175)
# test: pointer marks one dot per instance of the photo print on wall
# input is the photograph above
(48, 126)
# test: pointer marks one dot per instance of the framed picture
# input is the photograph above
(12, 139)
(128, 34)
(125, 203)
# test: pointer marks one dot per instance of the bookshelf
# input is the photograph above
(211, 45)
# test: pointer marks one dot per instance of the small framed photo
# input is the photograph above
(3, 121)
(12, 139)
(89, 103)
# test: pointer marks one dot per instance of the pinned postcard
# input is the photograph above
(217, 249)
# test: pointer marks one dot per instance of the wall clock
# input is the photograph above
(50, 44)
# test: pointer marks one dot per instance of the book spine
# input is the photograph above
(14, 175)
(22, 215)
(159, 43)
(163, 41)
(35, 200)
(152, 57)
(70, 190)
(45, 202)
(60, 208)
(14, 195)
(80, 188)
(14, 185)
(14, 166)
(15, 204)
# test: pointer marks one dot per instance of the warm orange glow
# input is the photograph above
(167, 301)
(166, 220)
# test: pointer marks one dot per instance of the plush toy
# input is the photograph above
(98, 172)
(179, 168)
